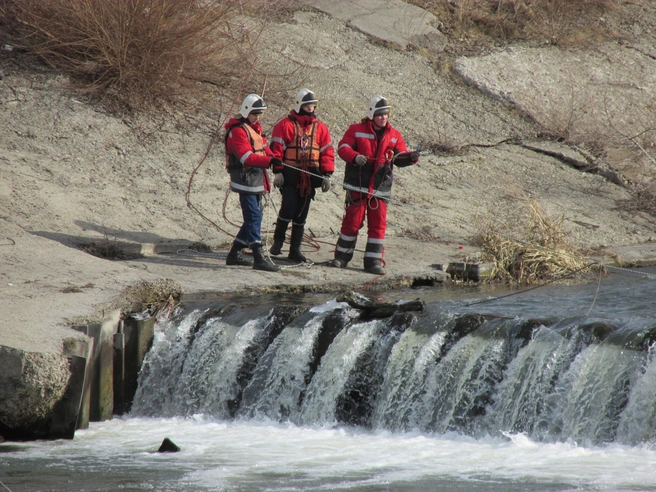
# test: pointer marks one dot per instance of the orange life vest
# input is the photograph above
(303, 151)
(232, 161)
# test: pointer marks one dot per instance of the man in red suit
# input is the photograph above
(371, 149)
(304, 146)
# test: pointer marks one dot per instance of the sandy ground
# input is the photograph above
(73, 175)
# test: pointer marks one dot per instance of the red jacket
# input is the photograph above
(376, 176)
(246, 158)
(284, 135)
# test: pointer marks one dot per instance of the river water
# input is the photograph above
(552, 389)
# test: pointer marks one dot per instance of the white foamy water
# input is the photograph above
(217, 455)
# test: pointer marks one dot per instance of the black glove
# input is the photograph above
(414, 157)
(275, 162)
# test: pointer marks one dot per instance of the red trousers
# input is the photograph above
(359, 208)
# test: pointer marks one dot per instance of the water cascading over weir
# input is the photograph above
(413, 367)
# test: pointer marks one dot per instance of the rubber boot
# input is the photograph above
(339, 262)
(373, 254)
(235, 257)
(295, 244)
(260, 262)
(278, 237)
(376, 269)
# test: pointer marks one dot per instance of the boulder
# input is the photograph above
(31, 385)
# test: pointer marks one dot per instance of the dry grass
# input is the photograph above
(156, 298)
(561, 22)
(597, 123)
(145, 53)
(538, 254)
(441, 144)
(634, 149)
(578, 117)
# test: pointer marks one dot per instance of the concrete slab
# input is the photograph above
(635, 255)
(605, 91)
(392, 21)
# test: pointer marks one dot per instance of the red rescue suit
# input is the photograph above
(368, 187)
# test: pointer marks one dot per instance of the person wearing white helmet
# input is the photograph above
(305, 148)
(247, 160)
(370, 149)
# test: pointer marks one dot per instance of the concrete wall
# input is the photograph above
(50, 396)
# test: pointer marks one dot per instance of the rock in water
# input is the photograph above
(168, 446)
(378, 309)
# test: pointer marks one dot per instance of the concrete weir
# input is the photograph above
(50, 396)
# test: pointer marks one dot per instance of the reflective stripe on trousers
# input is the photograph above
(373, 253)
(375, 211)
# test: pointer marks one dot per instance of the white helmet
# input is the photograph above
(377, 106)
(304, 96)
(252, 104)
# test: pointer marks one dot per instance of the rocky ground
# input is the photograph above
(76, 180)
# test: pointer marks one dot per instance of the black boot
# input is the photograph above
(278, 237)
(235, 257)
(260, 262)
(295, 244)
(339, 262)
(376, 269)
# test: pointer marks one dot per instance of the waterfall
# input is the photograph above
(531, 377)
(588, 380)
(281, 376)
(638, 421)
(416, 351)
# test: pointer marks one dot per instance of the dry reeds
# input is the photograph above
(541, 254)
(144, 52)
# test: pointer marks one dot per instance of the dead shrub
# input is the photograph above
(157, 298)
(533, 250)
(143, 52)
(563, 22)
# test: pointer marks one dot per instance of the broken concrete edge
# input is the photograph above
(379, 282)
(474, 272)
(31, 384)
(144, 299)
(630, 256)
(65, 391)
(136, 249)
(640, 255)
(482, 272)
